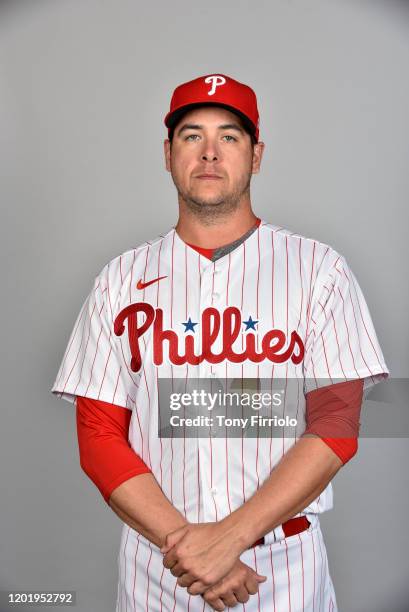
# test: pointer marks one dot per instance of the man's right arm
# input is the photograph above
(140, 502)
(124, 480)
(132, 492)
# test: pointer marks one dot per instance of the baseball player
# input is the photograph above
(214, 521)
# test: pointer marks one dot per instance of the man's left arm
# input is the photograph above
(301, 475)
(199, 554)
(307, 468)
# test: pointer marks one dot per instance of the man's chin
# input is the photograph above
(206, 200)
(211, 202)
(200, 200)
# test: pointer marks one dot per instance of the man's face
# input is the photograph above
(211, 159)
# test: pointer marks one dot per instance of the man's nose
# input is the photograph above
(210, 152)
(209, 156)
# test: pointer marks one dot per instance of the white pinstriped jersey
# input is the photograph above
(126, 339)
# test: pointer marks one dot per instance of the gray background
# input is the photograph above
(84, 87)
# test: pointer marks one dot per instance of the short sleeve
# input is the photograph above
(92, 365)
(341, 341)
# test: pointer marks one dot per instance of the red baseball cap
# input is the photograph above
(219, 90)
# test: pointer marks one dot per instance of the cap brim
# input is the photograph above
(173, 119)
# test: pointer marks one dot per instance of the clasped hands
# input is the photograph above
(205, 559)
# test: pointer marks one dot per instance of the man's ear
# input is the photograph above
(166, 150)
(258, 150)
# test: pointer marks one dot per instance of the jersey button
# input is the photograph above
(216, 295)
(213, 491)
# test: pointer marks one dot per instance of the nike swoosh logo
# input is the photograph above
(141, 285)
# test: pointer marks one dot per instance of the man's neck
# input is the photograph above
(216, 235)
(216, 253)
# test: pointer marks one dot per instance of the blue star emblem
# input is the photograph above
(250, 324)
(189, 325)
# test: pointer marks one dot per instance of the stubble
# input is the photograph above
(212, 210)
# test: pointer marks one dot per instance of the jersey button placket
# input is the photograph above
(206, 300)
(217, 300)
(208, 501)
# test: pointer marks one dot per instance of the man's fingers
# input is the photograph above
(169, 560)
(251, 585)
(177, 570)
(185, 580)
(216, 604)
(172, 538)
(236, 587)
(253, 581)
(242, 594)
(253, 573)
(196, 588)
(229, 599)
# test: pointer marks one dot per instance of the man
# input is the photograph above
(217, 520)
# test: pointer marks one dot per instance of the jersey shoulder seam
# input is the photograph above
(287, 232)
(135, 250)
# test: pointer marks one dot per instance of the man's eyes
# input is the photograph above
(194, 136)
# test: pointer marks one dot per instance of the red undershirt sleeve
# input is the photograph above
(332, 413)
(105, 454)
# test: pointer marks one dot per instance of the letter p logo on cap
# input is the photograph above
(215, 80)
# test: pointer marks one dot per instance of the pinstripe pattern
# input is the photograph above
(297, 570)
(282, 280)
